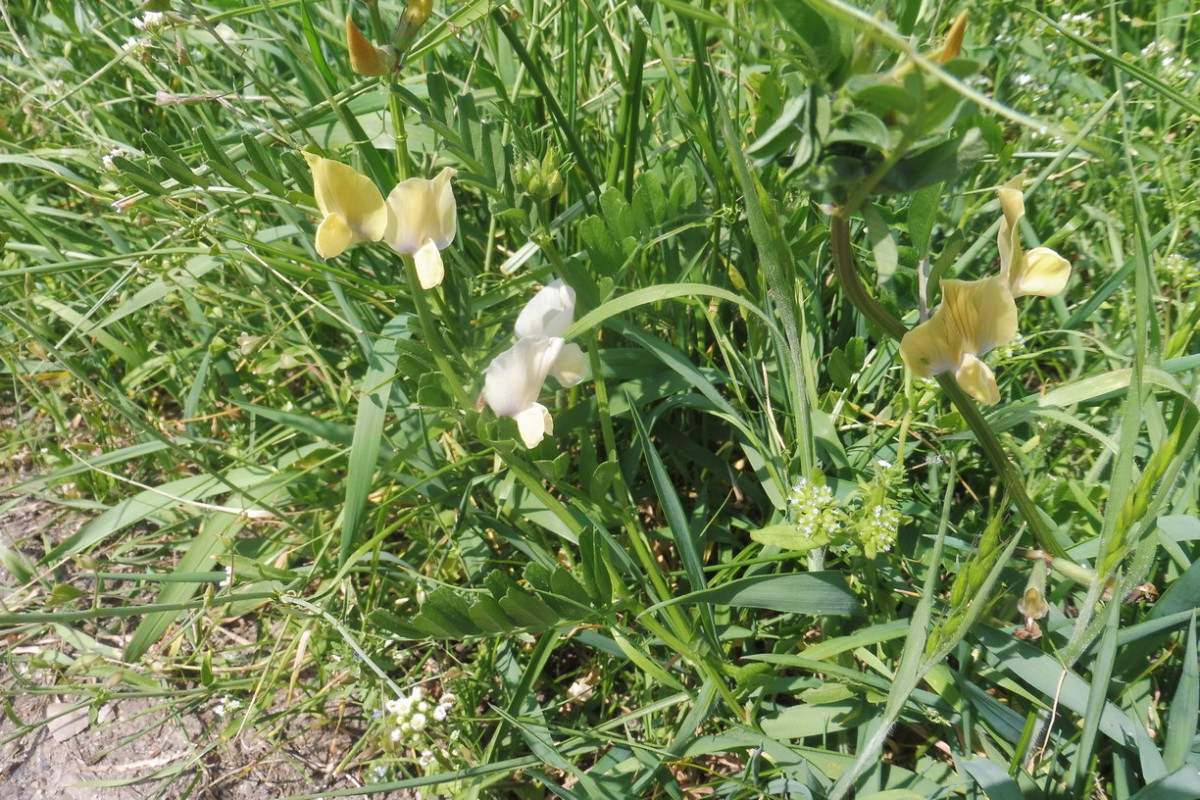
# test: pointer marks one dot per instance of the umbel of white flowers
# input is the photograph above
(513, 381)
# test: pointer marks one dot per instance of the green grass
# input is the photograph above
(688, 586)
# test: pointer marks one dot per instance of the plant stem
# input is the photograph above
(433, 339)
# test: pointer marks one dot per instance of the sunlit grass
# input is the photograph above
(754, 556)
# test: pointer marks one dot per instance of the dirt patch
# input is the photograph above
(65, 734)
(140, 748)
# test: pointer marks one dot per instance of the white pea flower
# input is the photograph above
(549, 313)
(513, 381)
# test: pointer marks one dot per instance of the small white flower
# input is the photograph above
(426, 758)
(441, 712)
(449, 698)
(151, 21)
(395, 734)
(418, 722)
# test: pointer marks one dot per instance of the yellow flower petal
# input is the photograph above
(342, 192)
(977, 380)
(983, 312)
(933, 346)
(974, 317)
(430, 270)
(333, 236)
(1045, 273)
(954, 39)
(365, 58)
(420, 210)
(1041, 271)
(1012, 203)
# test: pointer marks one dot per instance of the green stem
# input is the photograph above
(852, 285)
(868, 306)
(400, 134)
(433, 339)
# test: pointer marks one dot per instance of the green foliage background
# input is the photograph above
(751, 196)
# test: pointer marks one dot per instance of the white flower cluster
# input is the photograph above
(107, 159)
(1179, 269)
(813, 509)
(878, 528)
(407, 716)
(150, 22)
(1171, 68)
(136, 44)
(227, 705)
(1083, 21)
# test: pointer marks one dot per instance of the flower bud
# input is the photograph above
(366, 58)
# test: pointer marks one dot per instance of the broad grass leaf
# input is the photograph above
(214, 537)
(254, 481)
(1182, 784)
(799, 722)
(1183, 713)
(817, 593)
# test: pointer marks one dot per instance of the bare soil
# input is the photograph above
(106, 743)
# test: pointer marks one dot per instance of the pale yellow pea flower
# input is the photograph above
(974, 317)
(1041, 271)
(352, 208)
(422, 219)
